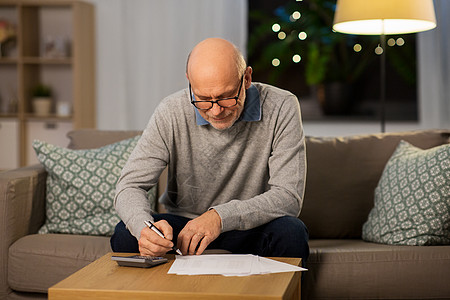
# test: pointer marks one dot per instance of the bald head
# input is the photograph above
(215, 58)
(216, 70)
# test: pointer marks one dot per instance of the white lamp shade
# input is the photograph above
(375, 17)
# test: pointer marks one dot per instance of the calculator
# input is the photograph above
(139, 261)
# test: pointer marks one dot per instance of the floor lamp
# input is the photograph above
(383, 17)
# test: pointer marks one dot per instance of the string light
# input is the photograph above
(357, 47)
(296, 15)
(276, 27)
(391, 42)
(400, 41)
(378, 50)
(281, 35)
(302, 36)
(275, 62)
(296, 58)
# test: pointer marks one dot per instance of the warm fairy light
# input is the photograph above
(296, 15)
(281, 35)
(296, 58)
(302, 35)
(400, 41)
(276, 27)
(378, 50)
(275, 62)
(357, 47)
(391, 42)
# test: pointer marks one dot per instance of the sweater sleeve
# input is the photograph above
(287, 176)
(140, 173)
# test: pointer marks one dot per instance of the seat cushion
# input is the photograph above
(354, 269)
(39, 261)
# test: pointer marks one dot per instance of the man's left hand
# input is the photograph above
(199, 233)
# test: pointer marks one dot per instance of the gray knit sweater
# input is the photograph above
(250, 173)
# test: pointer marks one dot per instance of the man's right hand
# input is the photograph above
(151, 244)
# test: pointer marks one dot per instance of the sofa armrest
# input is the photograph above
(22, 203)
(22, 211)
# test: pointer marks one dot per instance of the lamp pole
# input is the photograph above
(357, 17)
(383, 83)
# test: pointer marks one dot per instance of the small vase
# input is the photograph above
(42, 106)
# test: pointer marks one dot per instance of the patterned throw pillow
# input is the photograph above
(412, 199)
(81, 187)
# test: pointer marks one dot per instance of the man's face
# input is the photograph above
(219, 117)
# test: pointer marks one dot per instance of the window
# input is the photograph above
(292, 45)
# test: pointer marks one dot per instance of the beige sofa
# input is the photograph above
(342, 175)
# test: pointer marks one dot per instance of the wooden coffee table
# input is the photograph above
(104, 279)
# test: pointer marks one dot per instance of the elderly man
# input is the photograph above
(235, 153)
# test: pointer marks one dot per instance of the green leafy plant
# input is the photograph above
(41, 90)
(327, 56)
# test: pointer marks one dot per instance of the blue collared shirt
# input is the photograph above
(251, 112)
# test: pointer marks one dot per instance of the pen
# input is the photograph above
(155, 229)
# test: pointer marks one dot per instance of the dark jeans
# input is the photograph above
(282, 237)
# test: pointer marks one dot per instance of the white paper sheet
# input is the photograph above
(228, 265)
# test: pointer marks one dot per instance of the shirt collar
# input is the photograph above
(251, 112)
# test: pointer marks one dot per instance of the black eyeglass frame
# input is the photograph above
(236, 98)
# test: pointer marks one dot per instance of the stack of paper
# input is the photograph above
(228, 265)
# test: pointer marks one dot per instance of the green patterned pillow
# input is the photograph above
(412, 199)
(81, 187)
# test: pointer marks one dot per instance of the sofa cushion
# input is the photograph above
(39, 261)
(354, 269)
(342, 175)
(81, 187)
(412, 199)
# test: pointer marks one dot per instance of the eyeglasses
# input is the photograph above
(224, 102)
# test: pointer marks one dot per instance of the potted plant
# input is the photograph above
(42, 100)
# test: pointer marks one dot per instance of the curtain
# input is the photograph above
(142, 46)
(434, 70)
